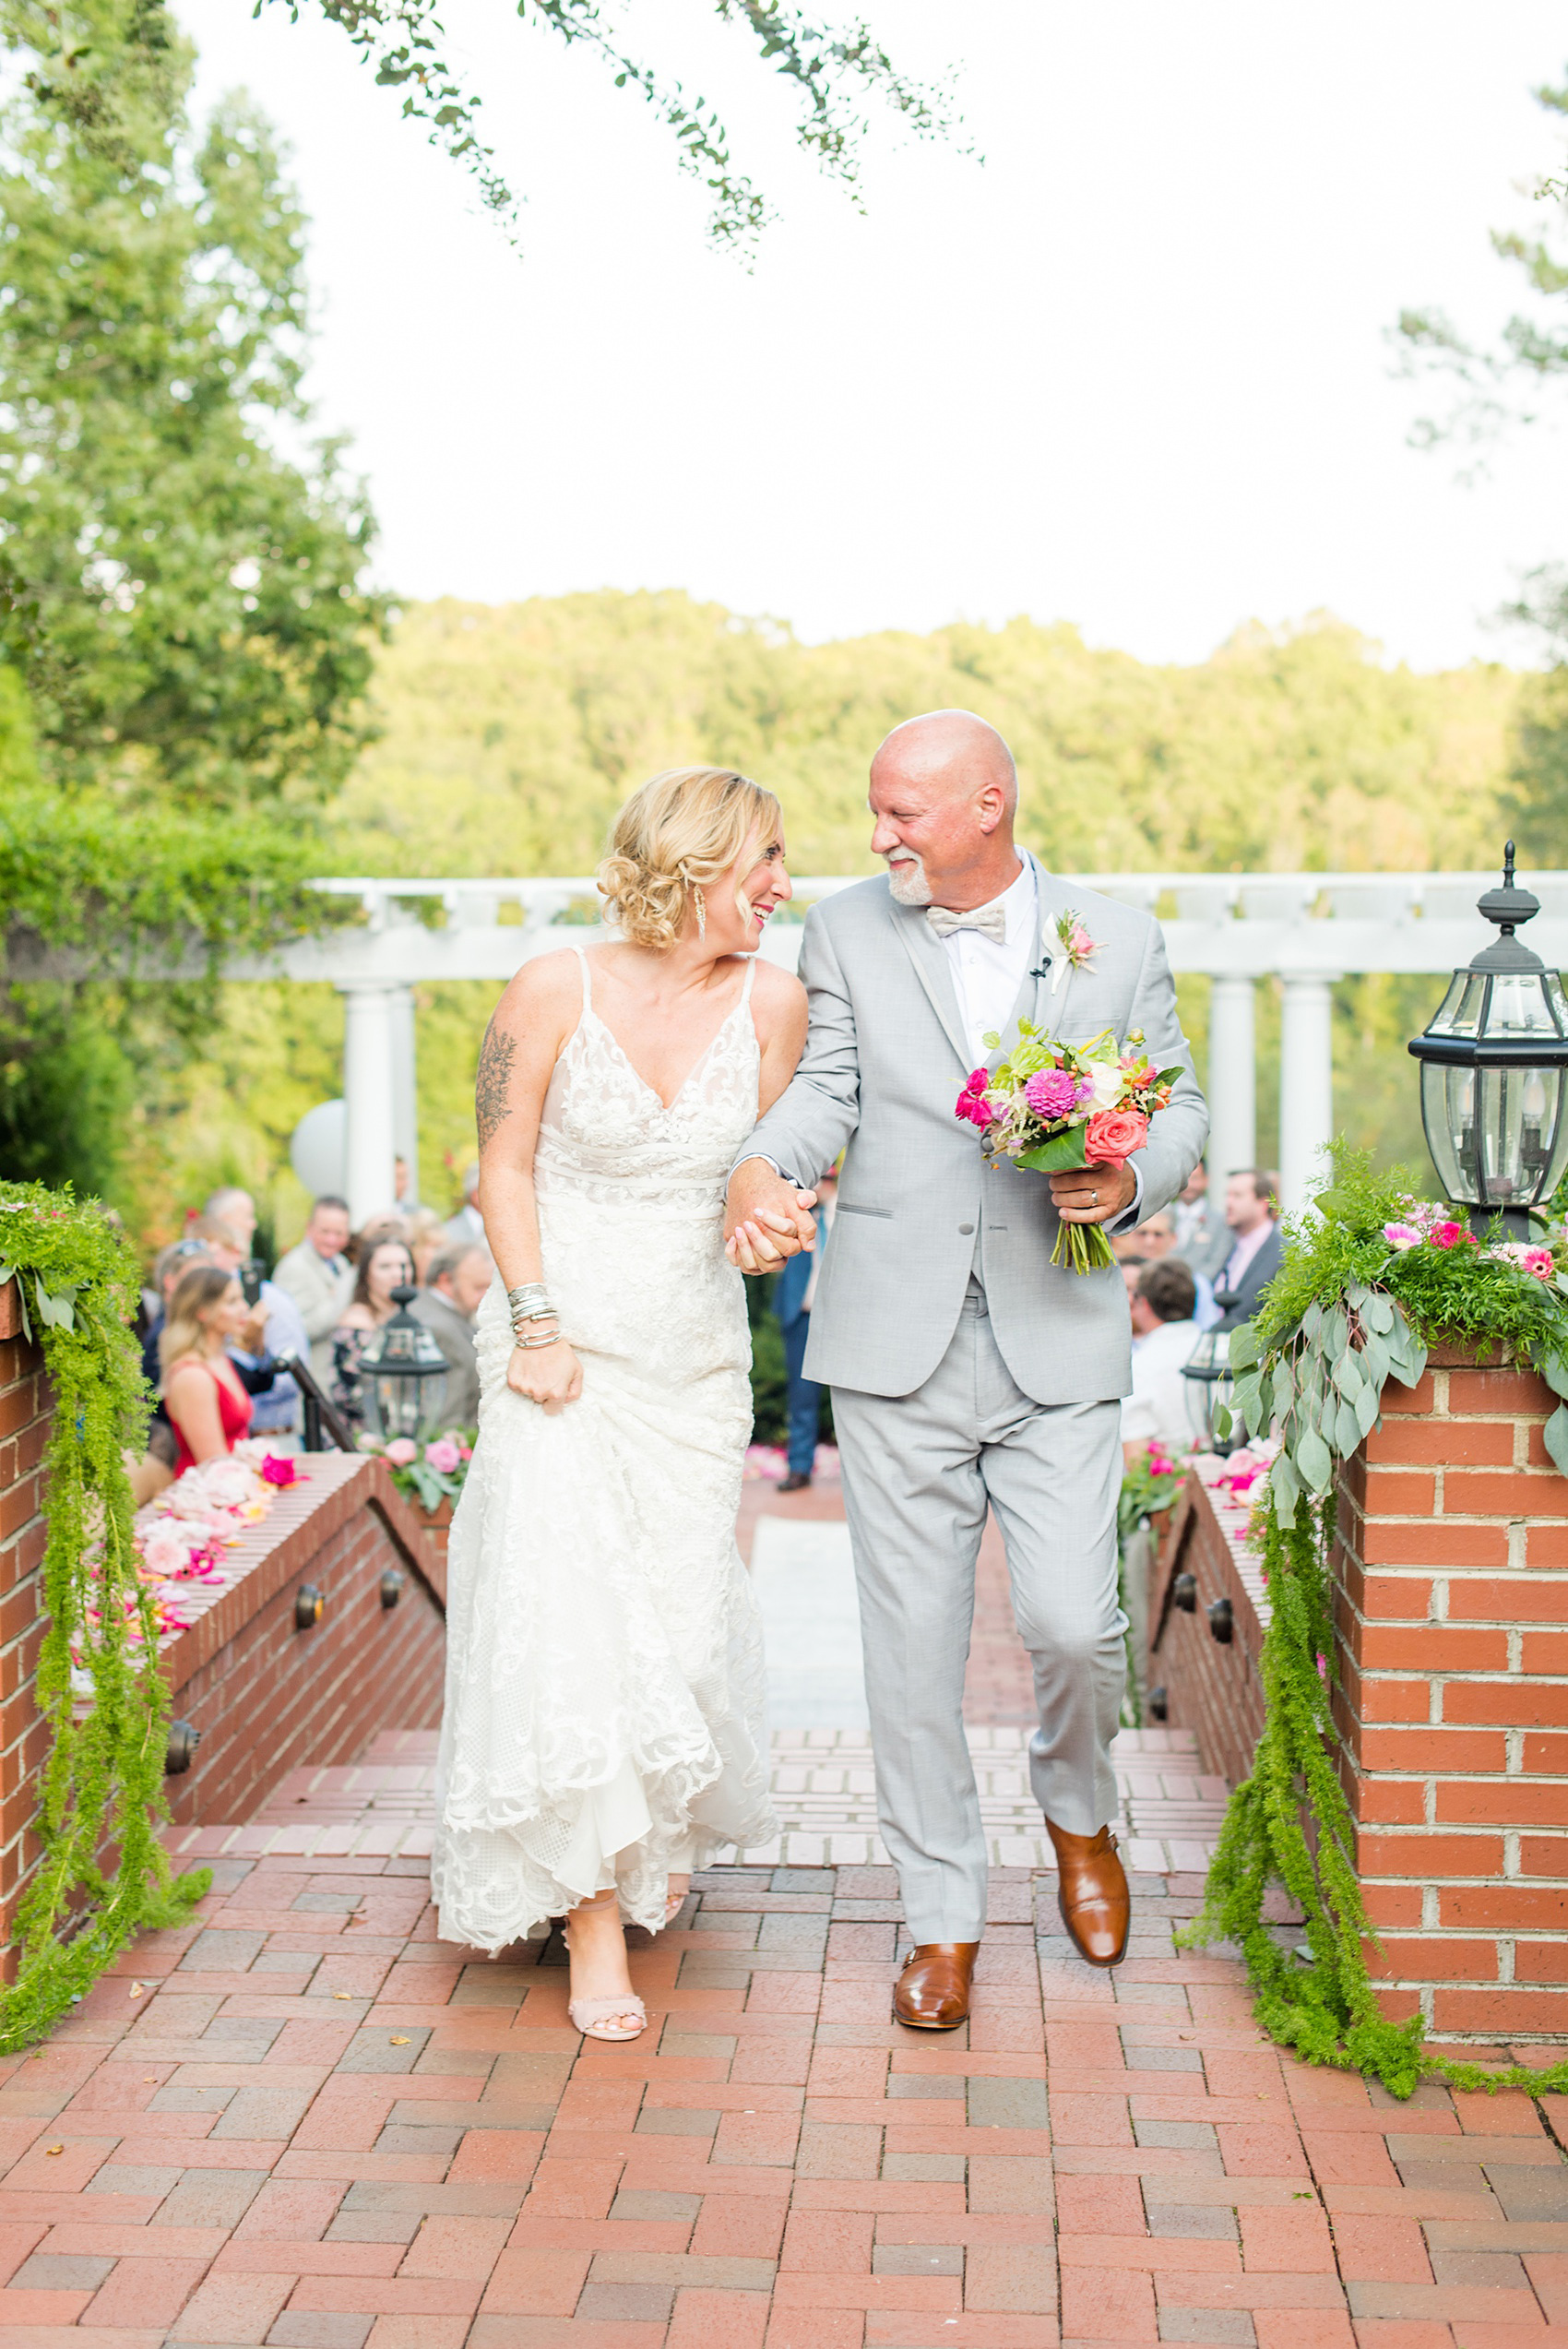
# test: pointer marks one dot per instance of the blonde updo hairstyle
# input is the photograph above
(675, 837)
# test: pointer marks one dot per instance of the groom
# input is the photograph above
(968, 1372)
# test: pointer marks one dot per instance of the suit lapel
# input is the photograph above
(924, 950)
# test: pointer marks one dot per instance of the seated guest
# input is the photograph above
(468, 1223)
(1164, 1334)
(209, 1409)
(1255, 1250)
(457, 1280)
(384, 1265)
(283, 1330)
(320, 1278)
(169, 1270)
(1157, 1240)
(426, 1237)
(1202, 1239)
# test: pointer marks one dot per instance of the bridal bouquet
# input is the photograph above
(1052, 1106)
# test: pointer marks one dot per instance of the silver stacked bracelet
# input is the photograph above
(529, 1303)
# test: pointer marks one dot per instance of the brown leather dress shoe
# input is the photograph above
(933, 1989)
(1092, 1894)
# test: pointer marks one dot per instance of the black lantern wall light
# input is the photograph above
(1495, 1073)
(404, 1373)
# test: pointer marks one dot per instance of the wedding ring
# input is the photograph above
(1094, 1199)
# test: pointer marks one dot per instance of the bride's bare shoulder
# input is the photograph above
(547, 987)
(778, 1000)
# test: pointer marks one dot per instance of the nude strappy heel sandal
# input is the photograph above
(593, 2017)
(675, 1901)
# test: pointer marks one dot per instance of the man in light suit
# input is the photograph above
(967, 1371)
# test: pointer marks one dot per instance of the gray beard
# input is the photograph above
(907, 882)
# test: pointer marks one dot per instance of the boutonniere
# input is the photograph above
(1078, 949)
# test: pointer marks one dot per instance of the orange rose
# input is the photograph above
(1113, 1134)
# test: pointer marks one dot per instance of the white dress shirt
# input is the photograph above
(1158, 1404)
(986, 980)
(987, 977)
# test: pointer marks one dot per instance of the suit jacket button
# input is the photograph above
(966, 1229)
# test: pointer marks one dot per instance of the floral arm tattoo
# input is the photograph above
(493, 1084)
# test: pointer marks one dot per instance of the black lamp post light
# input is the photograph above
(404, 1374)
(1495, 1073)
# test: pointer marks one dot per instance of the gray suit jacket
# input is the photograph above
(918, 1207)
(455, 1336)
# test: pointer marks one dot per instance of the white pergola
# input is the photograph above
(1306, 929)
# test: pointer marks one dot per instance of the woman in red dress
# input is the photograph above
(209, 1409)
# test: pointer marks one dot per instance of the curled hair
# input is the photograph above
(678, 834)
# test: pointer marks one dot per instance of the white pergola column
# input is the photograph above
(405, 1090)
(1232, 1078)
(1306, 1083)
(369, 1095)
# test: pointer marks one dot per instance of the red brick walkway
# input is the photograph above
(306, 2121)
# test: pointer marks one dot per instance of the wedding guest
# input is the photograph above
(384, 1265)
(1157, 1241)
(1202, 1238)
(457, 1280)
(1255, 1250)
(209, 1409)
(426, 1237)
(237, 1208)
(320, 1278)
(468, 1223)
(401, 1182)
(1132, 1262)
(277, 1411)
(792, 1301)
(1164, 1333)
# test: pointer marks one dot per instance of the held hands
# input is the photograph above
(549, 1376)
(1093, 1194)
(766, 1219)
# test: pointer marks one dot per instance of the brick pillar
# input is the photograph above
(24, 1430)
(1452, 1571)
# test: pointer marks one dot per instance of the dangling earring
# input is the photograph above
(702, 910)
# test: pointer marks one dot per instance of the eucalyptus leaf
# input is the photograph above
(1336, 1332)
(1223, 1422)
(1314, 1461)
(1374, 1362)
(1367, 1409)
(1327, 1418)
(1556, 1436)
(1553, 1369)
(1283, 1389)
(1378, 1312)
(1242, 1346)
(1254, 1410)
(1312, 1320)
(1346, 1430)
(1347, 1375)
(1286, 1487)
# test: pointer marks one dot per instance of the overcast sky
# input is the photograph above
(1131, 370)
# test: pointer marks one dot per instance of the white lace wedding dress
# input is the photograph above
(605, 1715)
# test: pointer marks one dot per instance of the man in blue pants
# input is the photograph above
(792, 1302)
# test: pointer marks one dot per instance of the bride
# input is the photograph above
(603, 1730)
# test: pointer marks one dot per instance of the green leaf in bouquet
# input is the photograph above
(1055, 1157)
(1169, 1076)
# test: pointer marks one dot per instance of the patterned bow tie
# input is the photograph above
(990, 920)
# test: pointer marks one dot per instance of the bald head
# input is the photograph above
(951, 751)
(943, 791)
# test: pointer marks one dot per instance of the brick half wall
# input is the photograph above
(1452, 1568)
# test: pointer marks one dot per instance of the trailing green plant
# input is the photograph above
(1369, 1281)
(98, 1685)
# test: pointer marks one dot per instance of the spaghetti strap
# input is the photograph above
(581, 953)
(752, 962)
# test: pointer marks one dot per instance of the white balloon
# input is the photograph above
(318, 1148)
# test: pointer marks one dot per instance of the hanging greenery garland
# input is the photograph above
(1367, 1283)
(101, 1785)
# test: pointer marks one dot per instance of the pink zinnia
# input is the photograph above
(278, 1468)
(1451, 1235)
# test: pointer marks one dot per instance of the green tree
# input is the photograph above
(184, 643)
